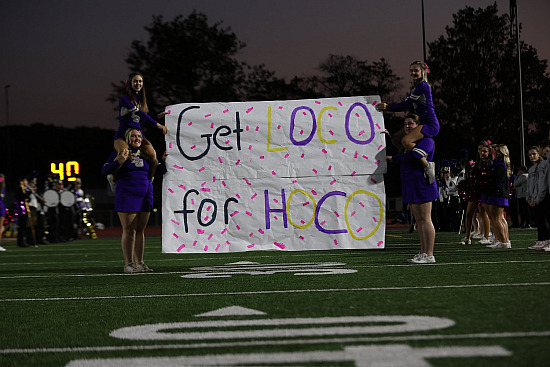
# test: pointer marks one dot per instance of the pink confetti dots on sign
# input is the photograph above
(181, 247)
(364, 156)
(359, 229)
(207, 116)
(171, 191)
(335, 242)
(314, 170)
(273, 173)
(374, 103)
(205, 248)
(324, 150)
(175, 235)
(249, 110)
(190, 123)
(248, 213)
(253, 196)
(261, 231)
(374, 219)
(168, 112)
(247, 182)
(378, 161)
(239, 161)
(279, 245)
(373, 180)
(170, 145)
(317, 102)
(200, 231)
(378, 126)
(210, 237)
(201, 169)
(250, 246)
(218, 247)
(380, 243)
(332, 182)
(353, 173)
(336, 213)
(224, 230)
(193, 147)
(380, 147)
(178, 167)
(176, 223)
(225, 111)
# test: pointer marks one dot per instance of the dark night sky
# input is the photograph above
(60, 56)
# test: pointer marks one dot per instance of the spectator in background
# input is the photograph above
(544, 198)
(533, 194)
(520, 185)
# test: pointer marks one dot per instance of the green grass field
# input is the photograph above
(70, 304)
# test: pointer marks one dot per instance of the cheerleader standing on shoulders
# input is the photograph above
(495, 197)
(420, 98)
(133, 109)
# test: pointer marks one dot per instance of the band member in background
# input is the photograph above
(22, 211)
(36, 204)
(2, 207)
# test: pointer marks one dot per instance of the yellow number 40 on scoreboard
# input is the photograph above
(71, 169)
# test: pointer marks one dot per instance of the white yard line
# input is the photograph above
(346, 266)
(533, 334)
(289, 291)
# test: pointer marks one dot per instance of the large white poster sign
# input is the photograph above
(276, 175)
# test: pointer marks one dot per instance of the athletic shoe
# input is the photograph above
(131, 269)
(416, 257)
(142, 267)
(429, 172)
(466, 241)
(537, 246)
(485, 241)
(501, 245)
(477, 235)
(2, 249)
(424, 259)
(429, 259)
(112, 183)
(546, 247)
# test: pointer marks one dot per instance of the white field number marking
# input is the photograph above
(254, 268)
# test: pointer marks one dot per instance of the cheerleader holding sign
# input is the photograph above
(420, 98)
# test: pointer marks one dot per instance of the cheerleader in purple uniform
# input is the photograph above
(417, 192)
(420, 99)
(495, 196)
(133, 109)
(133, 198)
(2, 207)
(472, 192)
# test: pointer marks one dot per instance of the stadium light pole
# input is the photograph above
(423, 32)
(515, 28)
